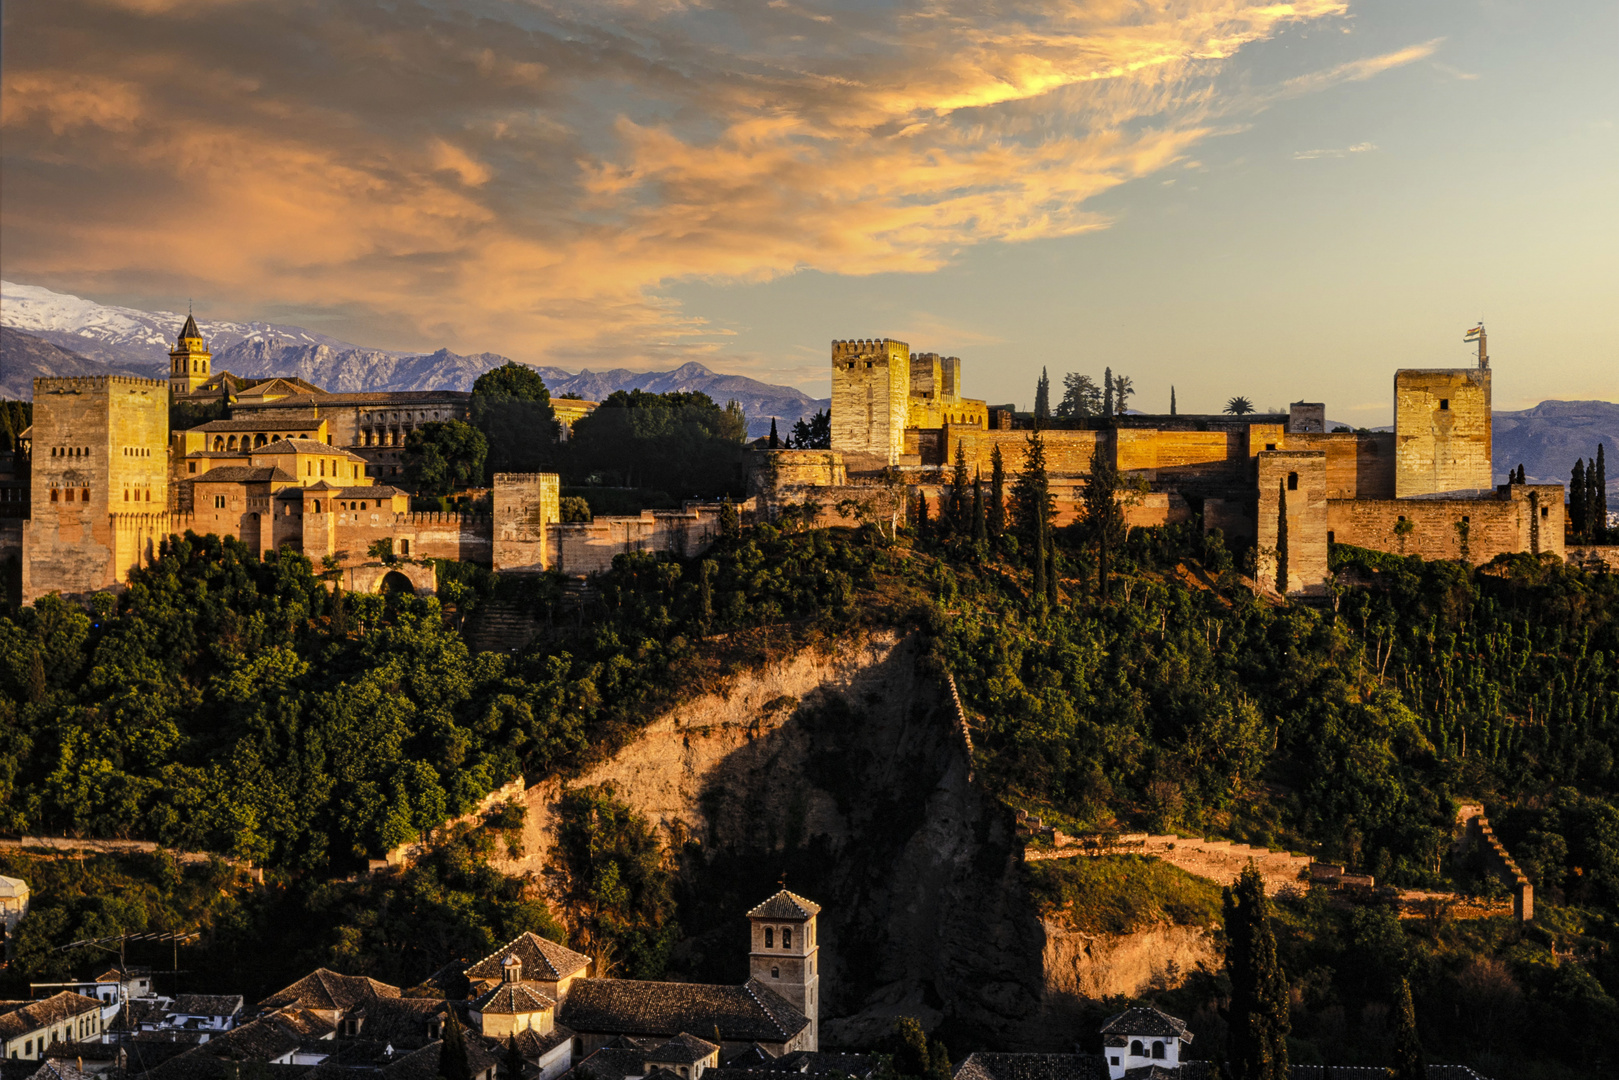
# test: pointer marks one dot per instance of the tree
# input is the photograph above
(775, 440)
(1042, 397)
(915, 1056)
(1259, 996)
(1032, 509)
(1599, 495)
(730, 520)
(1239, 406)
(511, 1067)
(813, 434)
(574, 508)
(680, 443)
(1408, 1063)
(512, 407)
(1123, 388)
(980, 524)
(958, 492)
(452, 1054)
(1577, 495)
(921, 512)
(1081, 396)
(1104, 518)
(1172, 400)
(997, 492)
(444, 455)
(1107, 391)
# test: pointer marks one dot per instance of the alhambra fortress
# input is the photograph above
(102, 481)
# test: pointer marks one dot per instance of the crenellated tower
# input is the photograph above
(189, 361)
(871, 399)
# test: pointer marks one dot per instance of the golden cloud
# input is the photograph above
(526, 177)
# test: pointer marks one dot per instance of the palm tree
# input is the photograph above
(1237, 406)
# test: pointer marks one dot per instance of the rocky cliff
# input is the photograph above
(847, 774)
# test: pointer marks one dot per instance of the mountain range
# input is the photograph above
(49, 333)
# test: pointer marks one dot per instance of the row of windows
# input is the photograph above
(70, 451)
(378, 418)
(787, 937)
(68, 497)
(137, 451)
(87, 1025)
(138, 497)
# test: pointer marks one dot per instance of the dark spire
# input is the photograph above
(190, 328)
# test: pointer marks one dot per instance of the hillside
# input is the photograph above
(1548, 438)
(25, 357)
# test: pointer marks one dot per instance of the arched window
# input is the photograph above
(1157, 1049)
(786, 937)
(770, 933)
(1136, 1049)
(1292, 481)
(775, 973)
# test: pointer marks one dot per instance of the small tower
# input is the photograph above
(189, 361)
(785, 957)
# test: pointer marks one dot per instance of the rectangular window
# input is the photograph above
(219, 502)
(1292, 481)
(193, 466)
(1444, 404)
(404, 547)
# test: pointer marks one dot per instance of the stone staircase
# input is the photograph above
(502, 626)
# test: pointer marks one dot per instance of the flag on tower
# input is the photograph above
(1473, 334)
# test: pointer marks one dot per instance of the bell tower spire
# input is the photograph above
(189, 360)
(786, 957)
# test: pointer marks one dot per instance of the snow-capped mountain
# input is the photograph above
(56, 333)
(124, 336)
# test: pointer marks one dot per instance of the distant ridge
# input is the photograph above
(120, 340)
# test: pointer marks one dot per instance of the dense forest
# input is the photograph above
(1116, 680)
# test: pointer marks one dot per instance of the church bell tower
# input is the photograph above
(785, 956)
(189, 361)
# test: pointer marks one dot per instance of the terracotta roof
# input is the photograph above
(402, 1021)
(376, 491)
(541, 959)
(306, 446)
(747, 1013)
(292, 384)
(326, 990)
(514, 998)
(93, 1051)
(610, 1063)
(259, 425)
(1145, 1021)
(423, 1064)
(683, 1049)
(20, 1017)
(381, 397)
(240, 474)
(207, 1004)
(531, 1044)
(1032, 1067)
(58, 1069)
(786, 905)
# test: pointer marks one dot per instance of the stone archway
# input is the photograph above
(395, 582)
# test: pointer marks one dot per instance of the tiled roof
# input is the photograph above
(241, 474)
(752, 1057)
(189, 330)
(306, 446)
(93, 1051)
(207, 1004)
(609, 1063)
(813, 1061)
(258, 425)
(532, 1045)
(135, 1010)
(514, 998)
(20, 1017)
(747, 1013)
(146, 1054)
(423, 1064)
(1144, 1021)
(376, 491)
(381, 397)
(785, 905)
(683, 1049)
(326, 990)
(1032, 1067)
(402, 1021)
(542, 959)
(60, 1069)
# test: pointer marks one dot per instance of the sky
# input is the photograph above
(1281, 201)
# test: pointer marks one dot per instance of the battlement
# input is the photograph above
(438, 517)
(79, 384)
(868, 348)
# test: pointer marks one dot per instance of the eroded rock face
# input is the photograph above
(845, 775)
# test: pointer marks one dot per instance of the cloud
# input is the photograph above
(1358, 148)
(529, 177)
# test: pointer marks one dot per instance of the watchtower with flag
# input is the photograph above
(1477, 334)
(785, 954)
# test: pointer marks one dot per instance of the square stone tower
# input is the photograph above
(100, 448)
(1291, 528)
(871, 400)
(785, 954)
(189, 361)
(1442, 431)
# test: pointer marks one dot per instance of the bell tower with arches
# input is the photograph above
(189, 361)
(785, 954)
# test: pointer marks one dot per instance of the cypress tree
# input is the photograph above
(958, 492)
(1599, 496)
(980, 525)
(1104, 520)
(775, 442)
(1042, 397)
(1576, 498)
(1407, 1047)
(1259, 1020)
(1281, 539)
(997, 493)
(1107, 391)
(730, 521)
(921, 512)
(1172, 401)
(512, 1067)
(452, 1054)
(1031, 498)
(1051, 566)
